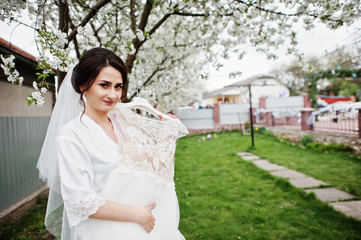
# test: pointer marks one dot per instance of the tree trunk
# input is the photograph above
(64, 27)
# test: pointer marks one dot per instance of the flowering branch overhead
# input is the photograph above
(297, 14)
(99, 4)
(167, 44)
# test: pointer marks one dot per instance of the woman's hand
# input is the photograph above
(125, 213)
(146, 218)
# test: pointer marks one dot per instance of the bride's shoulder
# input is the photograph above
(73, 126)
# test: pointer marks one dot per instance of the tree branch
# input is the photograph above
(145, 15)
(76, 46)
(86, 19)
(138, 90)
(159, 23)
(75, 40)
(149, 79)
(253, 4)
(63, 16)
(132, 15)
(136, 42)
(187, 14)
(96, 32)
(63, 8)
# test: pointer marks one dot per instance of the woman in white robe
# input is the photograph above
(106, 182)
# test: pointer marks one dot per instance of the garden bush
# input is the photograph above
(307, 139)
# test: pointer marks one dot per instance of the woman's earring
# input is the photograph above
(82, 92)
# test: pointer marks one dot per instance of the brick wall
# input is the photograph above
(286, 120)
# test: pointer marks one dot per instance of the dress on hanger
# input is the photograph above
(137, 171)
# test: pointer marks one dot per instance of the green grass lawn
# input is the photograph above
(224, 197)
(30, 226)
(340, 169)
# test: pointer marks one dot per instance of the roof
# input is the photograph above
(248, 81)
(25, 63)
(232, 88)
(5, 45)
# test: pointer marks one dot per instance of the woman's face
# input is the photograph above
(105, 92)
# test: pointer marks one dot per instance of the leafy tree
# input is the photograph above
(294, 75)
(167, 43)
(323, 75)
(348, 89)
(339, 86)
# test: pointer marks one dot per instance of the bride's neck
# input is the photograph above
(99, 117)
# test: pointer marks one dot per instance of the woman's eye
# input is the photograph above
(104, 85)
(119, 86)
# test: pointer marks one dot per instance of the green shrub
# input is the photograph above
(307, 139)
(260, 129)
(332, 147)
(316, 146)
(263, 130)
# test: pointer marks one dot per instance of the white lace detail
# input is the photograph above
(149, 146)
(80, 211)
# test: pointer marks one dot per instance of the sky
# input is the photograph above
(19, 35)
(311, 43)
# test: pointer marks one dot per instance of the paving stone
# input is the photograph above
(250, 157)
(299, 180)
(306, 182)
(351, 208)
(266, 165)
(330, 194)
(244, 154)
(290, 174)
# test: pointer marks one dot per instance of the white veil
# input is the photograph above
(66, 108)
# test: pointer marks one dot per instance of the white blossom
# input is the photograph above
(61, 39)
(36, 95)
(140, 35)
(40, 102)
(10, 70)
(128, 35)
(35, 85)
(88, 41)
(43, 90)
(21, 80)
(36, 99)
(9, 9)
(165, 62)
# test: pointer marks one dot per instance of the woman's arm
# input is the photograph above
(124, 213)
(81, 201)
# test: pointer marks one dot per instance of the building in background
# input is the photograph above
(238, 92)
(13, 98)
(22, 132)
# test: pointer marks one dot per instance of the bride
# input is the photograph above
(110, 171)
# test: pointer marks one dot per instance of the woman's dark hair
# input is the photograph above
(89, 66)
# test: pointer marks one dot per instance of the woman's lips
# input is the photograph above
(108, 102)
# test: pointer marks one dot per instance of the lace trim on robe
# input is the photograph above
(126, 165)
(80, 211)
(150, 145)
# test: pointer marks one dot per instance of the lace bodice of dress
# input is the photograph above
(147, 145)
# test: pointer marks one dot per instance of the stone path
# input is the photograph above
(340, 200)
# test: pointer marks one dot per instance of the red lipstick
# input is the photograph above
(108, 102)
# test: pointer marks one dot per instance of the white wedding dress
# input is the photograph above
(137, 171)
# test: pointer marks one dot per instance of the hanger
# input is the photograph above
(143, 104)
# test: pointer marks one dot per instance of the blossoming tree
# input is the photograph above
(166, 44)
